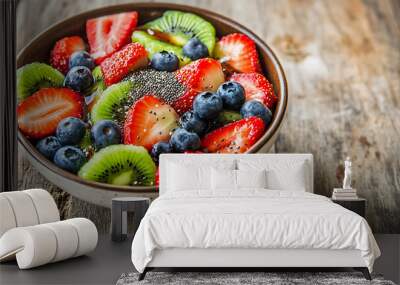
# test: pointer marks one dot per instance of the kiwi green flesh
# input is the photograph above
(178, 38)
(98, 79)
(97, 74)
(99, 86)
(226, 117)
(112, 102)
(86, 144)
(86, 140)
(34, 76)
(153, 46)
(187, 24)
(122, 178)
(120, 165)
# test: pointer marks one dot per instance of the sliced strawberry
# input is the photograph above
(235, 137)
(239, 52)
(149, 121)
(117, 66)
(256, 87)
(185, 102)
(39, 114)
(201, 75)
(157, 178)
(62, 50)
(109, 33)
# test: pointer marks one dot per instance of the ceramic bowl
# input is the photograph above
(99, 193)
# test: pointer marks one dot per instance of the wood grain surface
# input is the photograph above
(342, 61)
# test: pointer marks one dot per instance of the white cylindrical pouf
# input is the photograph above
(40, 244)
(7, 218)
(45, 205)
(67, 240)
(23, 208)
(87, 235)
(33, 246)
(30, 230)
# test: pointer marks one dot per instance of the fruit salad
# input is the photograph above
(106, 105)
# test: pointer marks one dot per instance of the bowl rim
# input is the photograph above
(279, 113)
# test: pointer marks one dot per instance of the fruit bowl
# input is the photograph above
(101, 193)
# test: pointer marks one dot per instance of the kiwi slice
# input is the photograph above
(120, 165)
(112, 103)
(34, 76)
(226, 117)
(97, 74)
(181, 27)
(99, 86)
(153, 46)
(98, 79)
(86, 145)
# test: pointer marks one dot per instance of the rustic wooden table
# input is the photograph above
(342, 61)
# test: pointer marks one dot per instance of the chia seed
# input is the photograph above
(161, 84)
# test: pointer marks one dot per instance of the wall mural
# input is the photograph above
(103, 112)
(95, 113)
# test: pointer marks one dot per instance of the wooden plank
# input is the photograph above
(342, 62)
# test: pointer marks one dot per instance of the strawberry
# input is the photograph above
(256, 87)
(109, 33)
(62, 50)
(185, 102)
(118, 65)
(201, 75)
(149, 121)
(39, 114)
(157, 178)
(239, 52)
(236, 137)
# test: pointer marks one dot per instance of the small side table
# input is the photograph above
(119, 215)
(358, 205)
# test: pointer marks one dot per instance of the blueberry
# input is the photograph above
(48, 146)
(70, 131)
(159, 148)
(105, 133)
(69, 158)
(165, 61)
(256, 108)
(81, 58)
(195, 49)
(207, 105)
(232, 95)
(182, 140)
(192, 123)
(79, 78)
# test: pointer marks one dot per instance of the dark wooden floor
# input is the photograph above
(103, 266)
(106, 264)
(342, 62)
